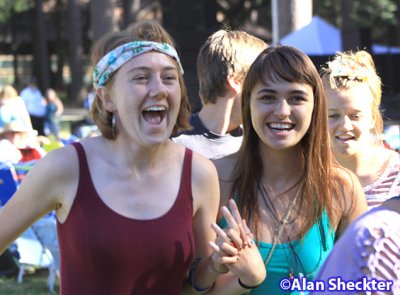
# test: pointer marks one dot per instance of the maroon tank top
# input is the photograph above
(103, 252)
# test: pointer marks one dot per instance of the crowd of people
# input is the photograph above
(280, 177)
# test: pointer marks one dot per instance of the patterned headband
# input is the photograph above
(351, 70)
(116, 58)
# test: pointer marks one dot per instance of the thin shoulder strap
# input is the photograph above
(187, 166)
(83, 164)
(186, 176)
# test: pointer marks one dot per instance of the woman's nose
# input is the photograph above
(345, 123)
(158, 88)
(282, 109)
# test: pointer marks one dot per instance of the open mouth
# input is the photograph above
(154, 114)
(281, 126)
(345, 138)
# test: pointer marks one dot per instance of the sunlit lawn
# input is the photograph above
(33, 284)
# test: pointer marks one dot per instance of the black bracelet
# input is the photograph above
(244, 286)
(192, 280)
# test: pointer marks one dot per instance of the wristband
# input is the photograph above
(191, 278)
(244, 286)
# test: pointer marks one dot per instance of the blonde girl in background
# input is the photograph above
(354, 92)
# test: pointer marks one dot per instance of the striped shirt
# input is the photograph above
(386, 186)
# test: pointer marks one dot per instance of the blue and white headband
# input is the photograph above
(116, 58)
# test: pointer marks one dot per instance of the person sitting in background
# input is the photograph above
(35, 104)
(353, 91)
(23, 139)
(12, 107)
(22, 149)
(54, 109)
(222, 64)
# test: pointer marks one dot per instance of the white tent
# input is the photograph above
(321, 38)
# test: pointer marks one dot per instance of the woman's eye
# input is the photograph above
(297, 99)
(333, 116)
(140, 78)
(267, 98)
(170, 77)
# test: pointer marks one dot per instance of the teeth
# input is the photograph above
(283, 126)
(345, 137)
(155, 109)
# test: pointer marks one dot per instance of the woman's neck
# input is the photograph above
(368, 165)
(283, 169)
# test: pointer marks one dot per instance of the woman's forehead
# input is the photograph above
(150, 60)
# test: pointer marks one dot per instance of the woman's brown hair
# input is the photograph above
(288, 64)
(140, 31)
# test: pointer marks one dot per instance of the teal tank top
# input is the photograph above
(312, 251)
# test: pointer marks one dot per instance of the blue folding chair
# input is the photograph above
(8, 182)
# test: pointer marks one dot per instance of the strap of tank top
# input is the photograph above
(83, 165)
(187, 167)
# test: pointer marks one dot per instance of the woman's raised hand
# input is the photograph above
(234, 249)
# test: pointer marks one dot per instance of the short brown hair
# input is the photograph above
(140, 31)
(225, 53)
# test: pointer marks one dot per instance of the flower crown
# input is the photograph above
(347, 69)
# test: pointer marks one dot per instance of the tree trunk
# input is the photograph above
(350, 33)
(75, 51)
(14, 50)
(41, 57)
(102, 17)
(60, 48)
(293, 15)
(398, 21)
(190, 22)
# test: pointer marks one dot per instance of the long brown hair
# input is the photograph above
(292, 65)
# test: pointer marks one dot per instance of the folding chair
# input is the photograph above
(32, 252)
(8, 182)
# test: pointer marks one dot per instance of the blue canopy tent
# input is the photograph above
(321, 38)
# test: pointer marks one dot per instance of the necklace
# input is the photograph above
(270, 206)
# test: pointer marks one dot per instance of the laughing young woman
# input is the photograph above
(131, 205)
(353, 91)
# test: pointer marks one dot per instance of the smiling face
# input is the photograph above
(350, 119)
(281, 112)
(145, 97)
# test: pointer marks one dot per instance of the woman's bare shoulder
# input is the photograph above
(225, 166)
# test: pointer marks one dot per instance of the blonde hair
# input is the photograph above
(7, 92)
(140, 31)
(348, 69)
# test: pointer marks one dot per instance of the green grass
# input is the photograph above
(32, 284)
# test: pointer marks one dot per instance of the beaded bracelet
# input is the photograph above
(192, 278)
(244, 286)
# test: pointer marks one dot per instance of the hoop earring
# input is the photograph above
(113, 124)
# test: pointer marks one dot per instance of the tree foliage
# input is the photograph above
(377, 15)
(7, 7)
(365, 13)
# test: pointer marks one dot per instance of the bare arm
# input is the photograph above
(60, 106)
(205, 206)
(46, 187)
(224, 168)
(354, 201)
